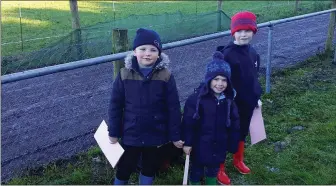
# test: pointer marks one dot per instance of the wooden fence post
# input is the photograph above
(331, 30)
(76, 27)
(296, 7)
(74, 14)
(219, 15)
(119, 44)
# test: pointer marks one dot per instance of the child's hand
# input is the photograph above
(259, 103)
(178, 144)
(113, 140)
(187, 150)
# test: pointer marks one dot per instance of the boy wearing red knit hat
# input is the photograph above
(244, 62)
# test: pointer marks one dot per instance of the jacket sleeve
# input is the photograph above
(116, 108)
(225, 52)
(234, 135)
(174, 110)
(258, 63)
(188, 122)
(220, 48)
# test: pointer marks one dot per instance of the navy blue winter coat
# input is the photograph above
(215, 132)
(244, 62)
(145, 111)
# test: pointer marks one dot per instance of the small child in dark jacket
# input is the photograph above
(210, 122)
(144, 108)
(244, 62)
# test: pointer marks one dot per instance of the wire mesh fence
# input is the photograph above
(39, 34)
(96, 40)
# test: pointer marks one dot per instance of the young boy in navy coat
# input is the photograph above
(144, 108)
(244, 62)
(210, 122)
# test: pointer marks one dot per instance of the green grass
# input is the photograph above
(43, 19)
(301, 96)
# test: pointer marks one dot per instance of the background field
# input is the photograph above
(44, 23)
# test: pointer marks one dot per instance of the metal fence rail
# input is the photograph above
(113, 57)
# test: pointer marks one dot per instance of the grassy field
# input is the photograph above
(47, 37)
(45, 22)
(302, 97)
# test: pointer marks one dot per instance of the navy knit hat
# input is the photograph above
(217, 67)
(214, 68)
(147, 37)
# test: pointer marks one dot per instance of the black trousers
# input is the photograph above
(170, 153)
(245, 115)
(128, 161)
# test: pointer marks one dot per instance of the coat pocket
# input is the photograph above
(160, 123)
(206, 151)
(129, 122)
(152, 123)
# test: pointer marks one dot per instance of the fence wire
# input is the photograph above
(28, 51)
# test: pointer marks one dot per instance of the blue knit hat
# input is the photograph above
(217, 67)
(147, 37)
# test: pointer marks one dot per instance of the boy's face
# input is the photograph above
(146, 55)
(243, 37)
(218, 84)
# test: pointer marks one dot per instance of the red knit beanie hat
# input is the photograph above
(244, 21)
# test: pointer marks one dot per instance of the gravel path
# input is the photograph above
(55, 116)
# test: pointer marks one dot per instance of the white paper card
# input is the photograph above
(186, 170)
(112, 152)
(257, 128)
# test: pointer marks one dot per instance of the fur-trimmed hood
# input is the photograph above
(161, 63)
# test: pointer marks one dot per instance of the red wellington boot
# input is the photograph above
(222, 177)
(238, 160)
